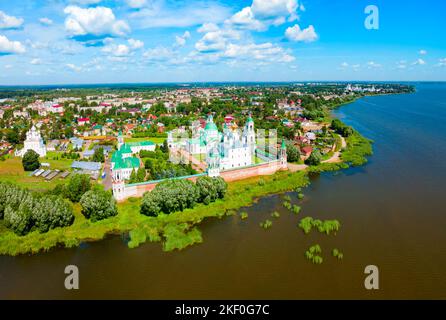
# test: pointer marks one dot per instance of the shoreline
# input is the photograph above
(180, 229)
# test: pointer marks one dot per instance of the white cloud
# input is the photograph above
(9, 22)
(73, 67)
(136, 4)
(181, 40)
(245, 18)
(117, 50)
(159, 54)
(36, 61)
(265, 52)
(208, 27)
(442, 62)
(46, 21)
(344, 65)
(216, 40)
(419, 62)
(297, 34)
(135, 44)
(10, 47)
(263, 13)
(98, 21)
(423, 52)
(373, 64)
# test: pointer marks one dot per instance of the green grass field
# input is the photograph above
(11, 170)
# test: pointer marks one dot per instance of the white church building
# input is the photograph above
(33, 142)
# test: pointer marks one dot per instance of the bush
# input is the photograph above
(98, 205)
(30, 161)
(77, 186)
(292, 153)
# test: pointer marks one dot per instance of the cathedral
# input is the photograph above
(33, 142)
(225, 150)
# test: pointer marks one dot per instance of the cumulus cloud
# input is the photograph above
(135, 44)
(216, 40)
(117, 50)
(10, 47)
(181, 40)
(419, 62)
(442, 62)
(36, 61)
(46, 21)
(423, 52)
(9, 22)
(297, 34)
(98, 21)
(263, 13)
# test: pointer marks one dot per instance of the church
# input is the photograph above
(229, 149)
(33, 142)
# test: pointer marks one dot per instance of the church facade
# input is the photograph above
(33, 142)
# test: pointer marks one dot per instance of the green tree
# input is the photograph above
(98, 155)
(292, 153)
(98, 205)
(141, 175)
(77, 186)
(30, 161)
(314, 159)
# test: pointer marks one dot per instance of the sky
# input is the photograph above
(148, 41)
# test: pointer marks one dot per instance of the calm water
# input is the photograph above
(392, 213)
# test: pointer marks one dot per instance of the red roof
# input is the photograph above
(307, 150)
(83, 119)
(104, 104)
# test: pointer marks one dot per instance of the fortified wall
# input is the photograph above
(122, 191)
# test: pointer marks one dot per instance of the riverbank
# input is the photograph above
(177, 230)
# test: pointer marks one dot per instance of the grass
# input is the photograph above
(327, 226)
(11, 170)
(275, 214)
(313, 254)
(266, 224)
(337, 254)
(156, 140)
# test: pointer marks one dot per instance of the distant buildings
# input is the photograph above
(33, 142)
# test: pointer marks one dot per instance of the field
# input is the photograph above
(155, 140)
(11, 170)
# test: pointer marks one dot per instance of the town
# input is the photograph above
(139, 143)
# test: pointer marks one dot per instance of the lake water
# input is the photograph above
(392, 212)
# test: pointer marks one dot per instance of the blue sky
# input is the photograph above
(117, 41)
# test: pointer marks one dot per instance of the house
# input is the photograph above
(83, 121)
(161, 127)
(20, 114)
(91, 168)
(2, 112)
(306, 151)
(310, 136)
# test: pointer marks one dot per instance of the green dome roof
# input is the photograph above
(210, 125)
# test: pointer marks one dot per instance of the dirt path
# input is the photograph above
(336, 158)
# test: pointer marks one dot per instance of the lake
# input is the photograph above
(392, 212)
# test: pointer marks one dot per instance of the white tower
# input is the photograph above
(120, 139)
(249, 134)
(213, 161)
